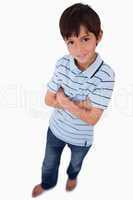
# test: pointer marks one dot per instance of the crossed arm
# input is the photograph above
(82, 109)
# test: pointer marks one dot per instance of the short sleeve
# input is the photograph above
(102, 94)
(55, 81)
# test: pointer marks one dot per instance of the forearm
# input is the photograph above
(53, 103)
(82, 113)
(90, 115)
(86, 104)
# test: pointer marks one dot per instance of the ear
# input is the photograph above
(99, 37)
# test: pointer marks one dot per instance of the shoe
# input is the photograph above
(71, 184)
(37, 190)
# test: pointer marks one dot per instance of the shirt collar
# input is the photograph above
(90, 70)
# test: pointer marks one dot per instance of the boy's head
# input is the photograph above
(75, 16)
(80, 28)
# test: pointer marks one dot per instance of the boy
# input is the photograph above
(79, 90)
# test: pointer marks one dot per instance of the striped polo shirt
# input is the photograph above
(95, 83)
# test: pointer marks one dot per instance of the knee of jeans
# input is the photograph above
(50, 164)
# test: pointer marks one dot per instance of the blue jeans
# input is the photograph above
(51, 162)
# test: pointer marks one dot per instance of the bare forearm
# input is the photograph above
(53, 102)
(86, 104)
(84, 114)
(90, 114)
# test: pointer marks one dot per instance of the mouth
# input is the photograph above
(82, 56)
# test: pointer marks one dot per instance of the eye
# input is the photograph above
(86, 39)
(70, 43)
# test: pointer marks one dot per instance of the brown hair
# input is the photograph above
(75, 16)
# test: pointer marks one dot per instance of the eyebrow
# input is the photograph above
(88, 34)
(82, 37)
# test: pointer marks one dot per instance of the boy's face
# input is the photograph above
(82, 48)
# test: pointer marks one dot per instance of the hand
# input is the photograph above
(86, 104)
(61, 98)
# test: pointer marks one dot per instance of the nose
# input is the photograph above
(79, 48)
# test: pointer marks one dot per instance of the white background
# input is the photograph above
(30, 44)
